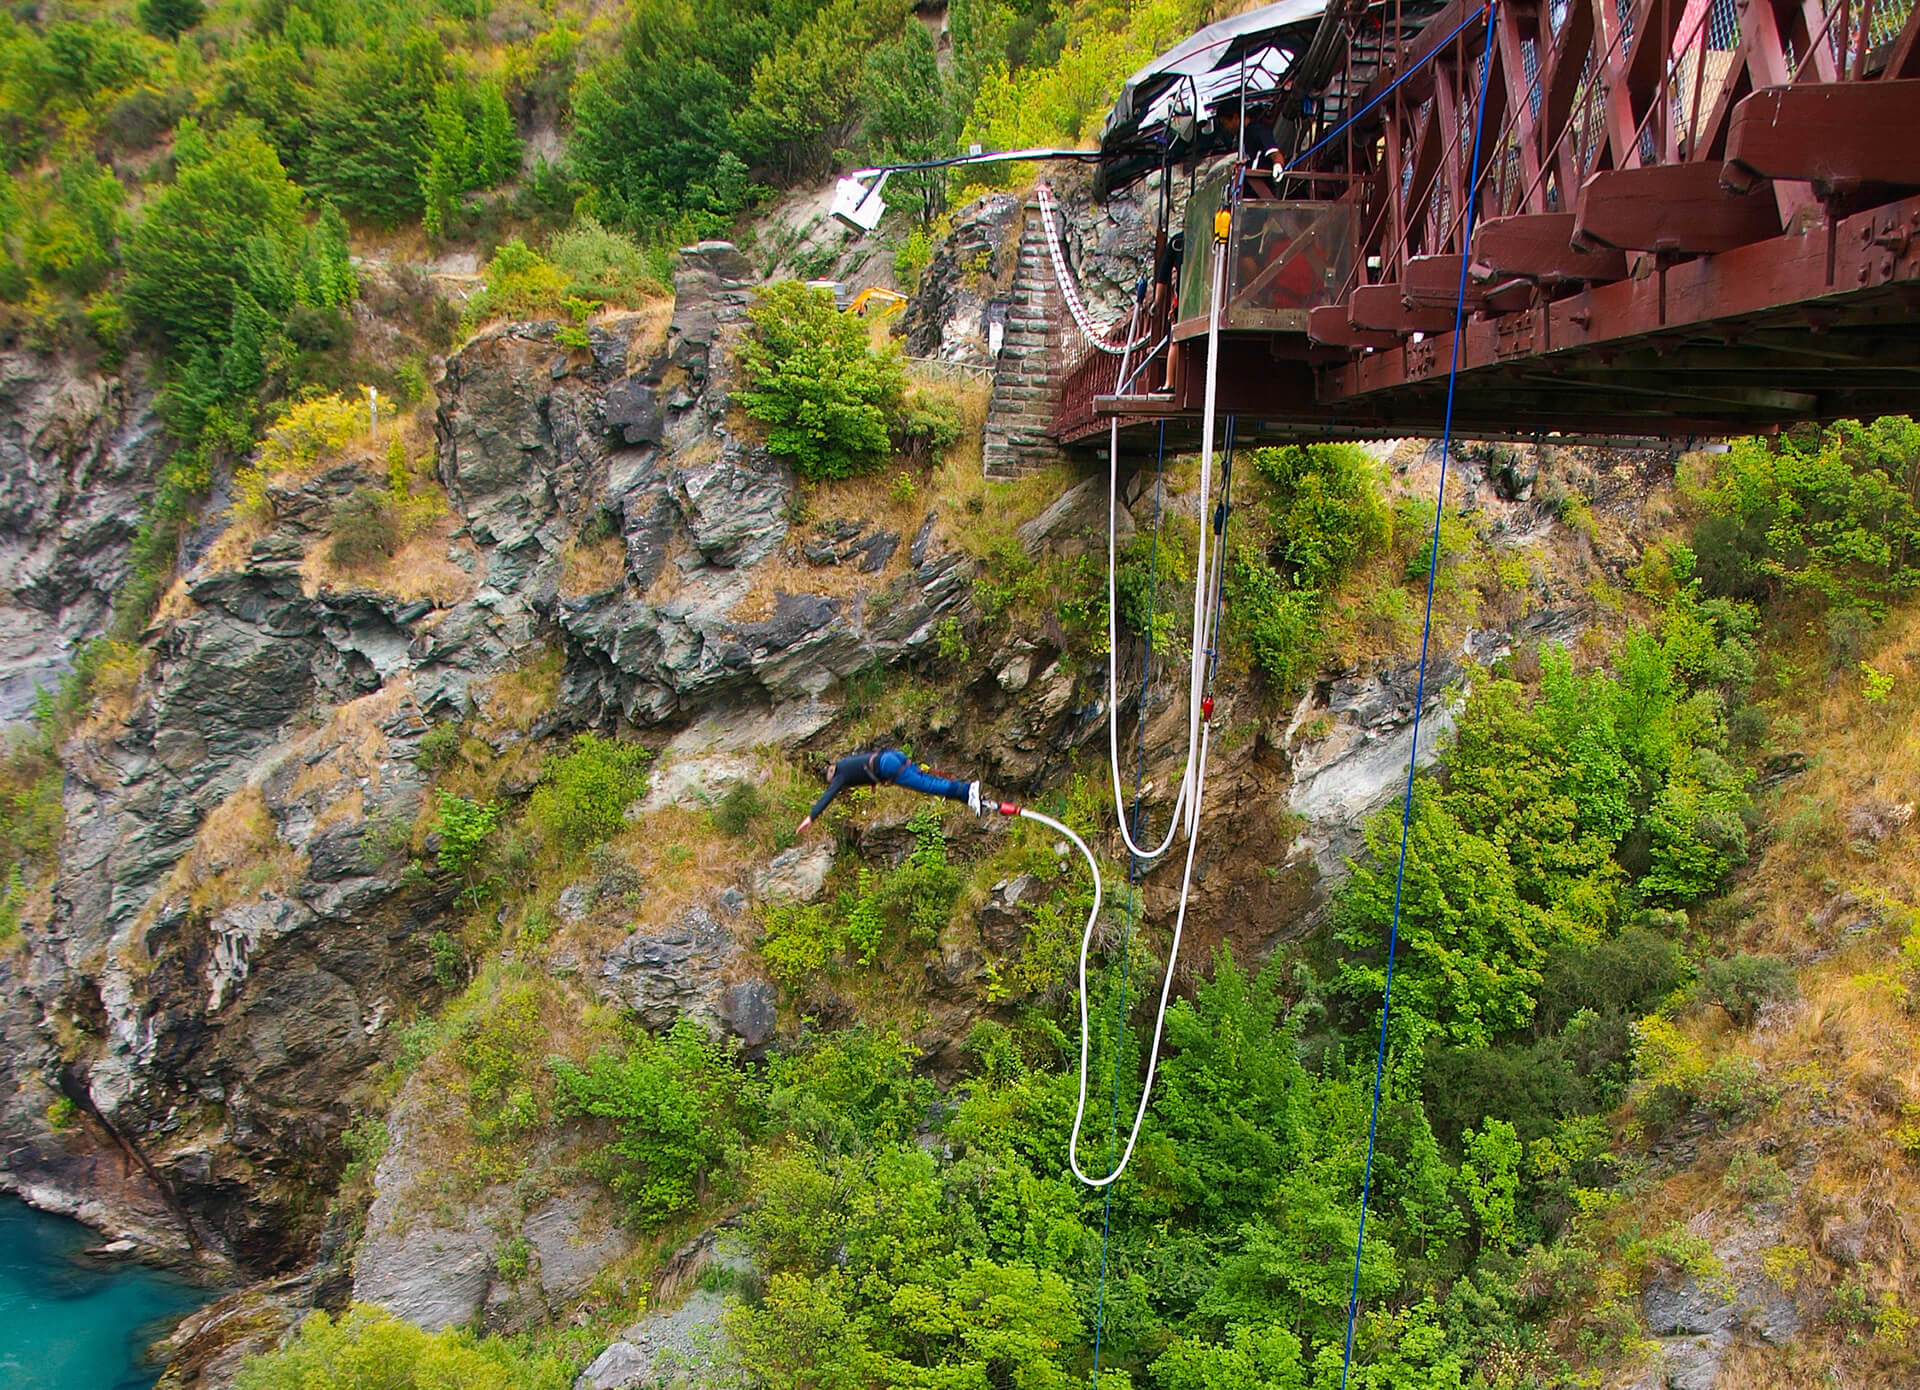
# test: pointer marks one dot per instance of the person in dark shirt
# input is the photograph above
(1166, 294)
(885, 766)
(1259, 141)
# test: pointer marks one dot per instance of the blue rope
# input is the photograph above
(1393, 86)
(1419, 699)
(1133, 878)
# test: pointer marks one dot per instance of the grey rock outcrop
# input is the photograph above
(666, 973)
(78, 454)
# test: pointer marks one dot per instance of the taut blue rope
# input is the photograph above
(1419, 697)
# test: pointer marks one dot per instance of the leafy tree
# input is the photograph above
(448, 166)
(678, 1109)
(804, 100)
(1249, 1358)
(215, 234)
(370, 129)
(827, 397)
(71, 244)
(272, 83)
(168, 19)
(910, 118)
(1470, 949)
(1741, 984)
(496, 144)
(653, 120)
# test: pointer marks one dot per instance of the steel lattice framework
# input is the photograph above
(1691, 217)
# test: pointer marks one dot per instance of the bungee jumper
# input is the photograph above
(889, 766)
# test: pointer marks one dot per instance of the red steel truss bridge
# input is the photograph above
(1689, 217)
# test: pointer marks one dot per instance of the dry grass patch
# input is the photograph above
(593, 568)
(354, 744)
(237, 855)
(500, 752)
(422, 567)
(645, 328)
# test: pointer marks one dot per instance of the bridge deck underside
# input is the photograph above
(1819, 326)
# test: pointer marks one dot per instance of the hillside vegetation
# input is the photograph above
(1649, 1021)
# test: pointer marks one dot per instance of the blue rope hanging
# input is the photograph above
(1419, 699)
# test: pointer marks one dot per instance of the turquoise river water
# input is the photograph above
(69, 1325)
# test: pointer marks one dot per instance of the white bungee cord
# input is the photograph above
(1186, 805)
(1192, 781)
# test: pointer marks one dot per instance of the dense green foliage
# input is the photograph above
(1559, 815)
(1830, 517)
(366, 1348)
(1321, 515)
(583, 795)
(906, 904)
(679, 1111)
(828, 399)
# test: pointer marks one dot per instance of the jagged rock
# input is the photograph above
(1873, 819)
(1076, 519)
(1344, 775)
(1014, 674)
(573, 1237)
(669, 1351)
(696, 782)
(667, 973)
(206, 1349)
(948, 313)
(633, 412)
(736, 504)
(673, 1349)
(796, 875)
(750, 1011)
(77, 455)
(877, 551)
(1686, 1309)
(1002, 919)
(1693, 1363)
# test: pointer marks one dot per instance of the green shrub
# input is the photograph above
(1325, 508)
(363, 531)
(466, 831)
(1741, 984)
(519, 283)
(168, 19)
(828, 399)
(1827, 515)
(739, 809)
(680, 1113)
(603, 266)
(1279, 624)
(367, 1348)
(927, 427)
(797, 941)
(584, 794)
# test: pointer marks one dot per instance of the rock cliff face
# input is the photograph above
(231, 931)
(77, 454)
(236, 935)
